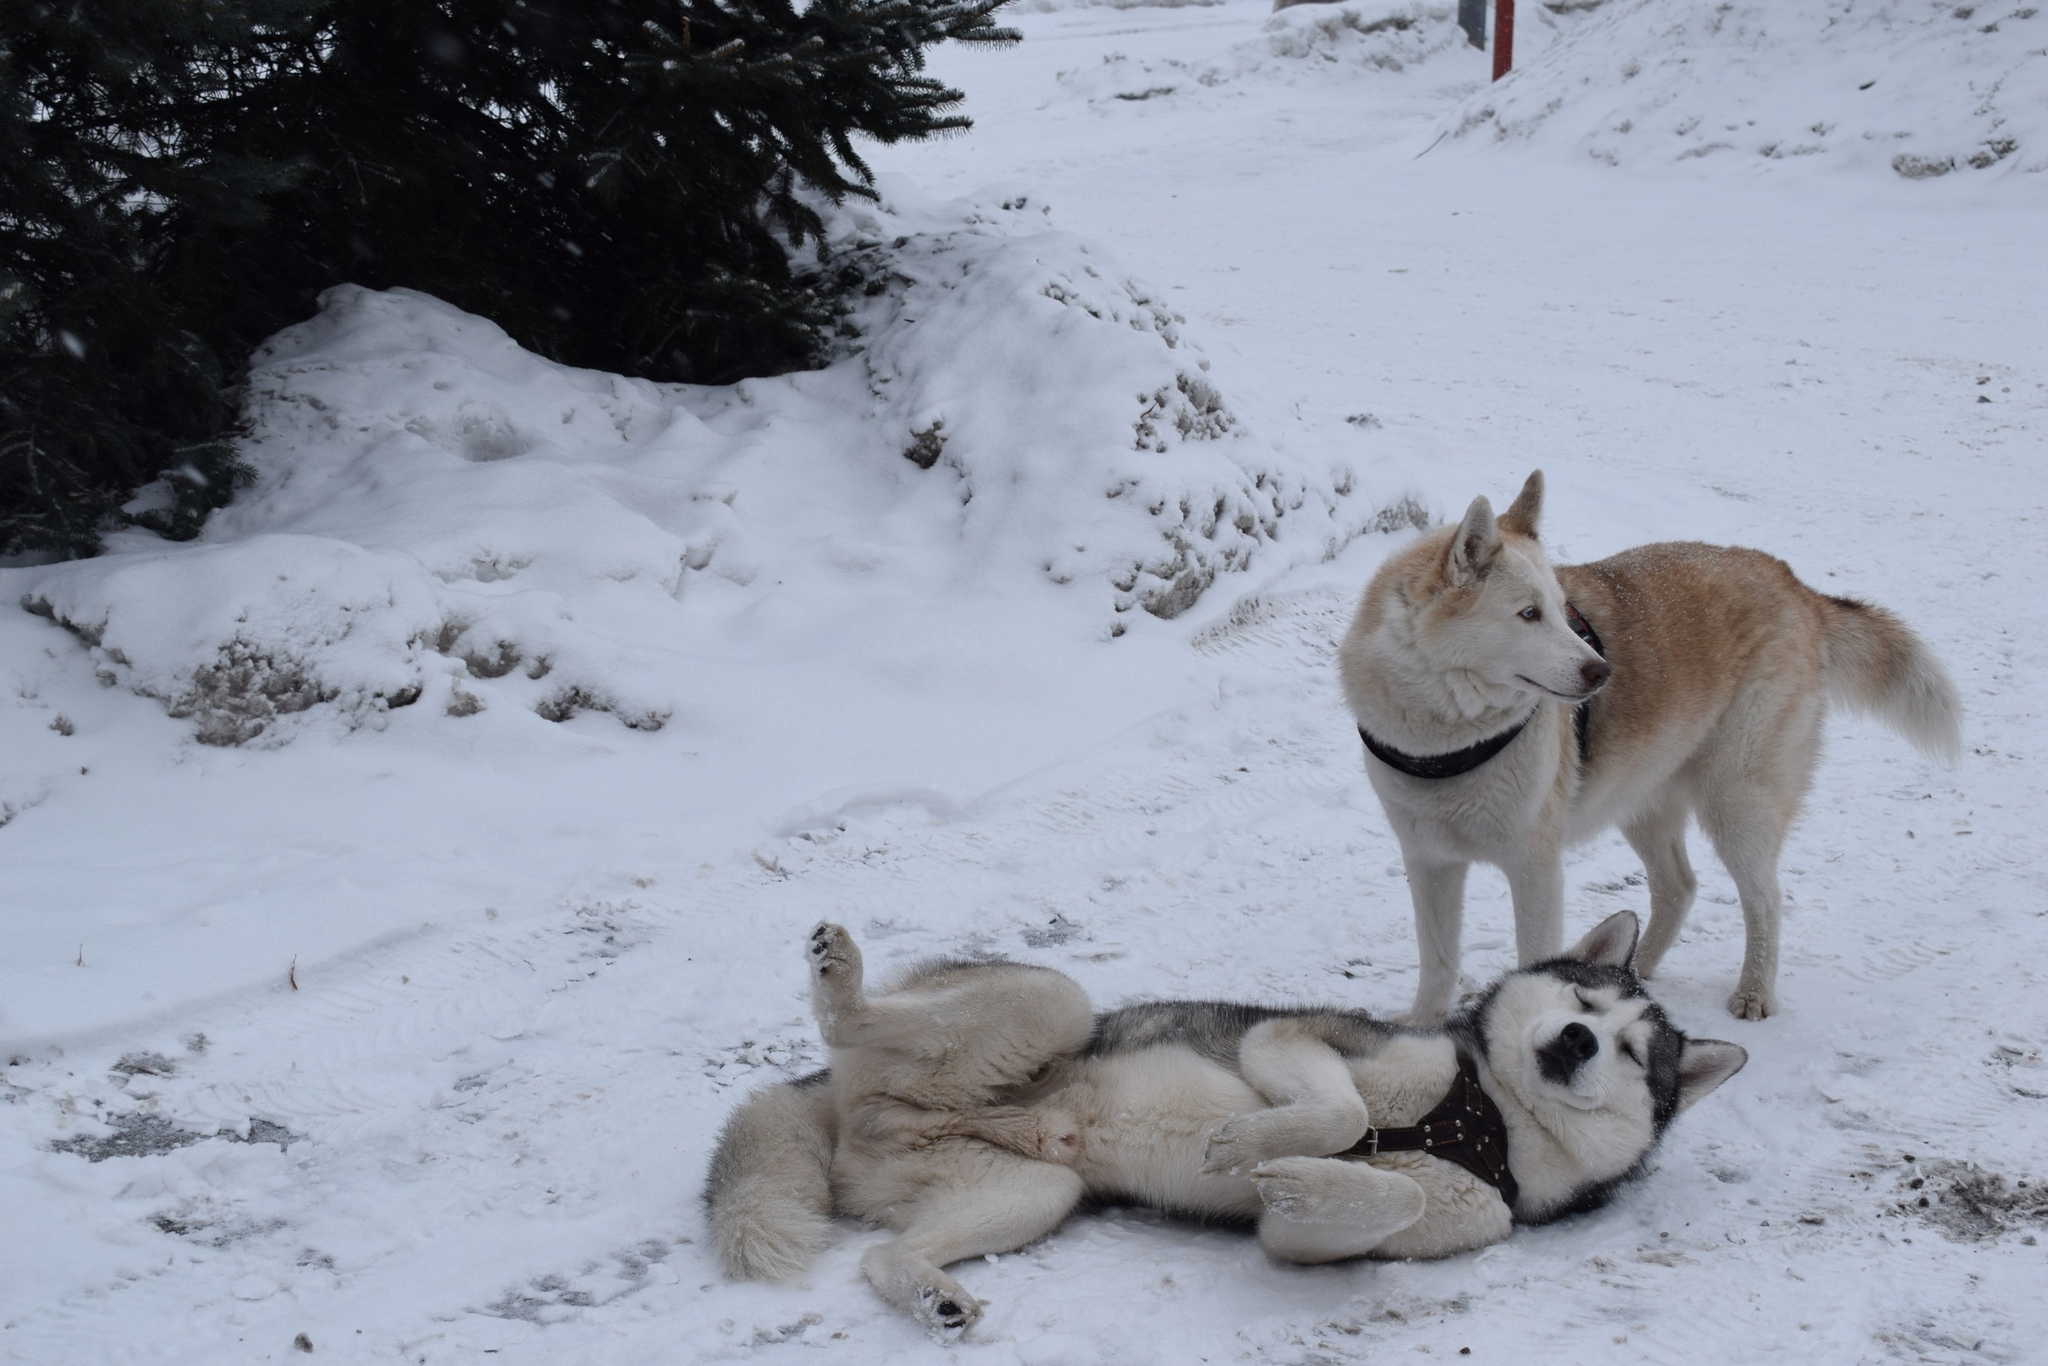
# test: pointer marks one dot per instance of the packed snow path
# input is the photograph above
(466, 1009)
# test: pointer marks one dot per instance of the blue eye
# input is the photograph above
(1530, 614)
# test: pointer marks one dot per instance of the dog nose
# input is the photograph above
(1578, 1041)
(1596, 672)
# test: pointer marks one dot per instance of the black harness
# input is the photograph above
(1472, 756)
(1466, 1128)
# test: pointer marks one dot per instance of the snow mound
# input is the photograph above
(1918, 88)
(444, 520)
(1050, 6)
(1301, 40)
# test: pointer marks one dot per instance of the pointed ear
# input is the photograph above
(1527, 510)
(1611, 943)
(1475, 544)
(1705, 1064)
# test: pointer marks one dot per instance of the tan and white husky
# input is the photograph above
(971, 1105)
(1496, 732)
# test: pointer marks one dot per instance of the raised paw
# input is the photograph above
(946, 1313)
(1753, 1003)
(832, 954)
(835, 980)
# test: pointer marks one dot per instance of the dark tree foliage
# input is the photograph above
(108, 376)
(617, 183)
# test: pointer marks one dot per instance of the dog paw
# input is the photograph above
(946, 1313)
(1321, 1190)
(1296, 1187)
(1234, 1147)
(832, 954)
(1753, 1003)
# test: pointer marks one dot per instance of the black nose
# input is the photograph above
(1596, 672)
(1577, 1041)
(1561, 1058)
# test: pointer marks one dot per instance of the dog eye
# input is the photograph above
(1630, 1049)
(1585, 1004)
(1530, 614)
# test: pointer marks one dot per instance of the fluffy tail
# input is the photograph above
(1873, 663)
(768, 1197)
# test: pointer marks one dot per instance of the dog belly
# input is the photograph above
(1145, 1119)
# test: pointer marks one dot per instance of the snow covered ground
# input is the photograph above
(565, 704)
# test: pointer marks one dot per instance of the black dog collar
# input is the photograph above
(1466, 1128)
(1443, 765)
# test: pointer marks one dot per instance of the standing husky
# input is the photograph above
(1473, 666)
(971, 1106)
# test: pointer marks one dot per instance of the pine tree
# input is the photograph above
(617, 183)
(107, 378)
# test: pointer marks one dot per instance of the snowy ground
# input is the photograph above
(465, 993)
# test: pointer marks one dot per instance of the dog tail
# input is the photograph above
(1872, 663)
(768, 1197)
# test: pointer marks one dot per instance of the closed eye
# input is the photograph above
(1630, 1049)
(1585, 1004)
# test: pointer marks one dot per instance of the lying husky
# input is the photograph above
(971, 1106)
(1472, 667)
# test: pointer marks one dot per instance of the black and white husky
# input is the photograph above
(972, 1105)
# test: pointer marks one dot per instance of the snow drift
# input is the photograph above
(1911, 86)
(443, 520)
(1301, 41)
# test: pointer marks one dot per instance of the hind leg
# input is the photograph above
(837, 975)
(1007, 1203)
(1746, 811)
(1748, 844)
(1658, 837)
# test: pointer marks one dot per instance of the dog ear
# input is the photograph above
(1473, 547)
(1527, 510)
(1705, 1064)
(1611, 943)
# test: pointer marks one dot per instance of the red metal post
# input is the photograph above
(1503, 37)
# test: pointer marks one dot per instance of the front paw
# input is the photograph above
(1296, 1187)
(1322, 1190)
(1234, 1147)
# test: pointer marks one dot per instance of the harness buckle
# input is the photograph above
(1371, 1142)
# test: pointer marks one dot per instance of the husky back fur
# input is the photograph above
(973, 1106)
(1719, 666)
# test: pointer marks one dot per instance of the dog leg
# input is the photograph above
(849, 1018)
(1317, 1108)
(1658, 837)
(1536, 883)
(1008, 1204)
(836, 975)
(1321, 1209)
(1748, 841)
(1438, 890)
